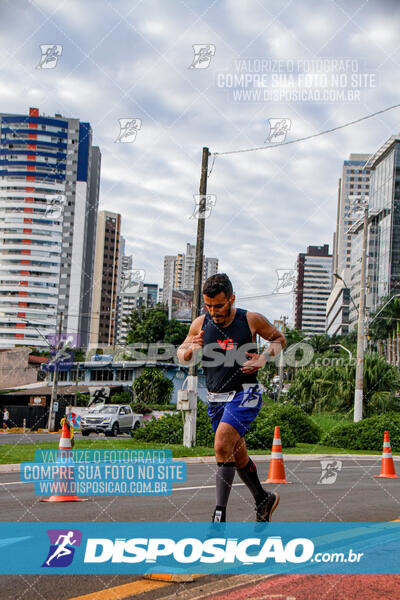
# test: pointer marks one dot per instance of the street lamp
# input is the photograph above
(344, 348)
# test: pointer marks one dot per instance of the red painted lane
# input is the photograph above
(319, 587)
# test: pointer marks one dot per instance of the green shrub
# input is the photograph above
(169, 429)
(261, 434)
(152, 387)
(141, 408)
(165, 430)
(366, 434)
(124, 397)
(303, 427)
(294, 424)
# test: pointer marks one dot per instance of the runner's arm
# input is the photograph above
(267, 331)
(193, 341)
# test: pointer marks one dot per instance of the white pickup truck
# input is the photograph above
(110, 419)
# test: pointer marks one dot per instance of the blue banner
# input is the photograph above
(223, 548)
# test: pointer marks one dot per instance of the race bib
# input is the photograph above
(220, 397)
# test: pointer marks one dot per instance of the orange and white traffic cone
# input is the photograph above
(387, 466)
(65, 446)
(276, 473)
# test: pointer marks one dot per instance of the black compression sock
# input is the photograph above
(224, 479)
(249, 476)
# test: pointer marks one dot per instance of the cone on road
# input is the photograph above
(276, 473)
(65, 448)
(387, 466)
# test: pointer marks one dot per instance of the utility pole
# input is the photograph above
(359, 389)
(281, 359)
(51, 419)
(190, 416)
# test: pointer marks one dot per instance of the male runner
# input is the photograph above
(228, 334)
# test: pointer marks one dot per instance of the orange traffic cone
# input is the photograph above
(66, 447)
(387, 467)
(276, 473)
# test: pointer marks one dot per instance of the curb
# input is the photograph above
(198, 460)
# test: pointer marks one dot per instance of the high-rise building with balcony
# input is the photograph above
(313, 286)
(353, 184)
(49, 189)
(179, 271)
(107, 268)
(383, 240)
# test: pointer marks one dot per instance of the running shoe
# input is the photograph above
(266, 507)
(219, 516)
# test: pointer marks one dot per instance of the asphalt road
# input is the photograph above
(355, 496)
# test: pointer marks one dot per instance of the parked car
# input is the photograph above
(110, 419)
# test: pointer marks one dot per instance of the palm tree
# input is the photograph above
(331, 388)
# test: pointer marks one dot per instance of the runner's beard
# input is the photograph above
(226, 316)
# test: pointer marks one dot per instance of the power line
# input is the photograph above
(308, 137)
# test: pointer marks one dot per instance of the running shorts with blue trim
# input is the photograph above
(239, 412)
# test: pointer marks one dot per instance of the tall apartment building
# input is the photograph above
(383, 242)
(354, 183)
(107, 261)
(338, 305)
(132, 295)
(49, 191)
(313, 286)
(152, 294)
(179, 271)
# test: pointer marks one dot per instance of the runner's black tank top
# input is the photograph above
(226, 347)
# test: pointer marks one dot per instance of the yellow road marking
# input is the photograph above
(124, 591)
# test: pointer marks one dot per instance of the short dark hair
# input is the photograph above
(216, 284)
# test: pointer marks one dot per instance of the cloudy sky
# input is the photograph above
(131, 59)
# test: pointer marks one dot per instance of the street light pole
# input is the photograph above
(359, 388)
(281, 359)
(190, 416)
(53, 398)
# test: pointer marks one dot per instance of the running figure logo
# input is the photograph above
(203, 205)
(203, 54)
(286, 281)
(50, 55)
(62, 547)
(330, 470)
(278, 129)
(128, 129)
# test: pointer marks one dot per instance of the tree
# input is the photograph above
(175, 332)
(387, 322)
(151, 325)
(331, 388)
(152, 387)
